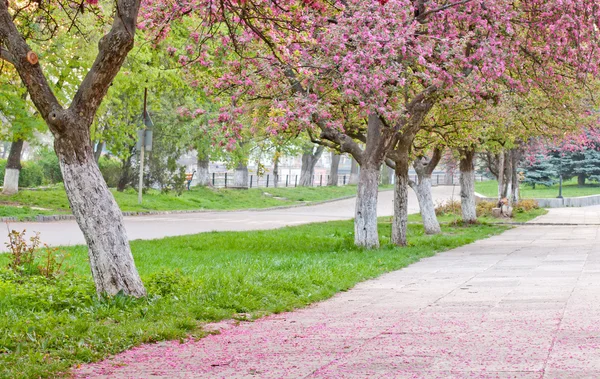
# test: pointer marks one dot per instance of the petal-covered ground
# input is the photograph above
(525, 304)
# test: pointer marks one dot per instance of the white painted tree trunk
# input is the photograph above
(500, 175)
(333, 172)
(101, 222)
(427, 207)
(240, 177)
(400, 220)
(202, 172)
(11, 181)
(354, 172)
(467, 190)
(365, 221)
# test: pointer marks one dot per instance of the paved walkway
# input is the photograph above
(152, 227)
(525, 304)
(584, 215)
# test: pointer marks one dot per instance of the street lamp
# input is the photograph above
(144, 142)
(560, 178)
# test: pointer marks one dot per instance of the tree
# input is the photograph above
(310, 156)
(541, 171)
(94, 207)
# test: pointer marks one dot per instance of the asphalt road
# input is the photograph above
(153, 227)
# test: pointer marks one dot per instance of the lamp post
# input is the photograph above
(144, 143)
(560, 179)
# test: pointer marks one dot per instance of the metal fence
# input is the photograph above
(226, 180)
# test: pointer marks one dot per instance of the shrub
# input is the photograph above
(526, 205)
(484, 208)
(24, 260)
(448, 207)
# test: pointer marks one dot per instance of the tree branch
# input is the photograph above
(31, 74)
(5, 55)
(112, 51)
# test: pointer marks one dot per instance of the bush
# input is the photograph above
(484, 208)
(526, 205)
(451, 207)
(111, 170)
(26, 258)
(48, 161)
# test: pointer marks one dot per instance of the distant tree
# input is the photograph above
(540, 171)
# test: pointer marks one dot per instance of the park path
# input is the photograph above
(524, 304)
(160, 226)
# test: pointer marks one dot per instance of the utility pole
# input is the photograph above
(144, 142)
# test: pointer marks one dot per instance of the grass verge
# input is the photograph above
(55, 200)
(570, 189)
(49, 326)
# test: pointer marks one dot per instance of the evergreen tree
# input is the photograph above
(542, 171)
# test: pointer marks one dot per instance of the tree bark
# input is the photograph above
(202, 171)
(333, 171)
(309, 161)
(508, 186)
(500, 175)
(354, 172)
(467, 187)
(13, 168)
(516, 157)
(276, 170)
(240, 177)
(101, 222)
(424, 168)
(400, 220)
(365, 220)
(581, 180)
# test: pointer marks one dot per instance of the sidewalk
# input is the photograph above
(524, 304)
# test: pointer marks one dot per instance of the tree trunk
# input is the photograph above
(581, 180)
(508, 186)
(240, 177)
(202, 171)
(467, 187)
(354, 172)
(309, 161)
(276, 170)
(98, 151)
(13, 168)
(400, 221)
(365, 221)
(424, 168)
(333, 172)
(515, 159)
(500, 175)
(426, 205)
(125, 172)
(101, 222)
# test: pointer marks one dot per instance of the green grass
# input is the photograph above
(23, 213)
(570, 189)
(196, 199)
(47, 327)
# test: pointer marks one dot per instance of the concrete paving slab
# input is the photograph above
(525, 304)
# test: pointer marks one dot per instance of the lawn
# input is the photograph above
(55, 200)
(570, 189)
(48, 326)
